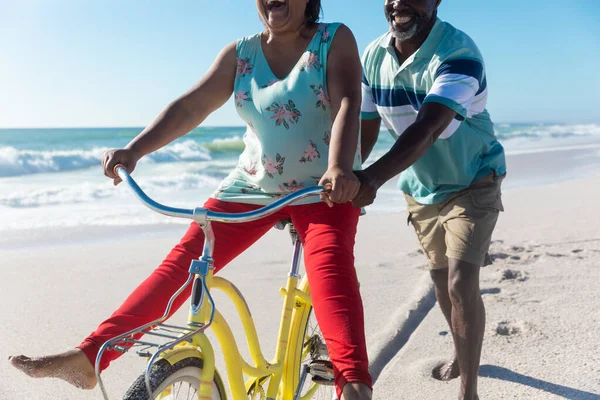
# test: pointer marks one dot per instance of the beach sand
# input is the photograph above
(541, 298)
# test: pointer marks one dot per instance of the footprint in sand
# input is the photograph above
(513, 275)
(415, 253)
(511, 254)
(490, 291)
(499, 256)
(507, 328)
(519, 328)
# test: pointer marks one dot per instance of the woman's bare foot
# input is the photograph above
(356, 391)
(72, 366)
(446, 371)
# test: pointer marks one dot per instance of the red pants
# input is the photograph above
(328, 237)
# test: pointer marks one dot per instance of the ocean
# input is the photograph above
(51, 178)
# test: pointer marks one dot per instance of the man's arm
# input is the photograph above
(432, 120)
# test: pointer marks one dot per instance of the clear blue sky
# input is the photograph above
(118, 63)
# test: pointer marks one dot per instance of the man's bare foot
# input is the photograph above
(72, 366)
(463, 397)
(446, 371)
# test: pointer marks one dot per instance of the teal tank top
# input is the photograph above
(288, 123)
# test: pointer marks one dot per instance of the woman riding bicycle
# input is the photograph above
(297, 87)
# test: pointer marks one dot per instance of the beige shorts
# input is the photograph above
(462, 226)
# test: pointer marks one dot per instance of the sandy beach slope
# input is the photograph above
(541, 297)
(542, 300)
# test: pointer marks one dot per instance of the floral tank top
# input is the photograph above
(288, 123)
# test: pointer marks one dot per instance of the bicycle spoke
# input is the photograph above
(311, 353)
(177, 393)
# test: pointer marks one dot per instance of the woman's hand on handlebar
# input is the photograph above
(126, 157)
(340, 186)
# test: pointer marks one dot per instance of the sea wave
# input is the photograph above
(187, 150)
(15, 162)
(27, 197)
(225, 145)
(506, 132)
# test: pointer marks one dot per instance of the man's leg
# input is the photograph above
(447, 370)
(469, 219)
(432, 237)
(468, 322)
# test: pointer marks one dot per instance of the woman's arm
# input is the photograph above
(343, 84)
(181, 116)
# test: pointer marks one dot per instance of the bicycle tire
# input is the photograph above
(304, 327)
(163, 375)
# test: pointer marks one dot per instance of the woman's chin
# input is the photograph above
(277, 21)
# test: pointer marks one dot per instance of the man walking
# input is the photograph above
(426, 81)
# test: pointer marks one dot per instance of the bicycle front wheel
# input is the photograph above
(308, 349)
(179, 381)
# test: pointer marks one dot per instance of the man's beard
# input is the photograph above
(417, 28)
(414, 30)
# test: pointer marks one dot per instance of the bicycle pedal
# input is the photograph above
(322, 372)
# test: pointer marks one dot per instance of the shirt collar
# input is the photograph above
(428, 47)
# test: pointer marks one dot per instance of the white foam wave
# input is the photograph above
(187, 150)
(49, 196)
(549, 131)
(185, 181)
(87, 192)
(226, 145)
(14, 162)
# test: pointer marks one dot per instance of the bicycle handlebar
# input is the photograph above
(203, 215)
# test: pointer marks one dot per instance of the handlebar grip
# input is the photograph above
(117, 167)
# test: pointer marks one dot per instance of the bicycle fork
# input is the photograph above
(199, 320)
(201, 273)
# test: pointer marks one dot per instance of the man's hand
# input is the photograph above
(342, 186)
(368, 190)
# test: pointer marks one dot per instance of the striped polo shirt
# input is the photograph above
(447, 69)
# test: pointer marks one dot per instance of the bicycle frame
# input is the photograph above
(236, 366)
(204, 314)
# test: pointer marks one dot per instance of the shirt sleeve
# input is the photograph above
(456, 84)
(368, 109)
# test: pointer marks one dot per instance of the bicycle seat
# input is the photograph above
(283, 223)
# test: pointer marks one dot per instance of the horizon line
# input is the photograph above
(244, 126)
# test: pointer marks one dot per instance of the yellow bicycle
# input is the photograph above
(181, 360)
